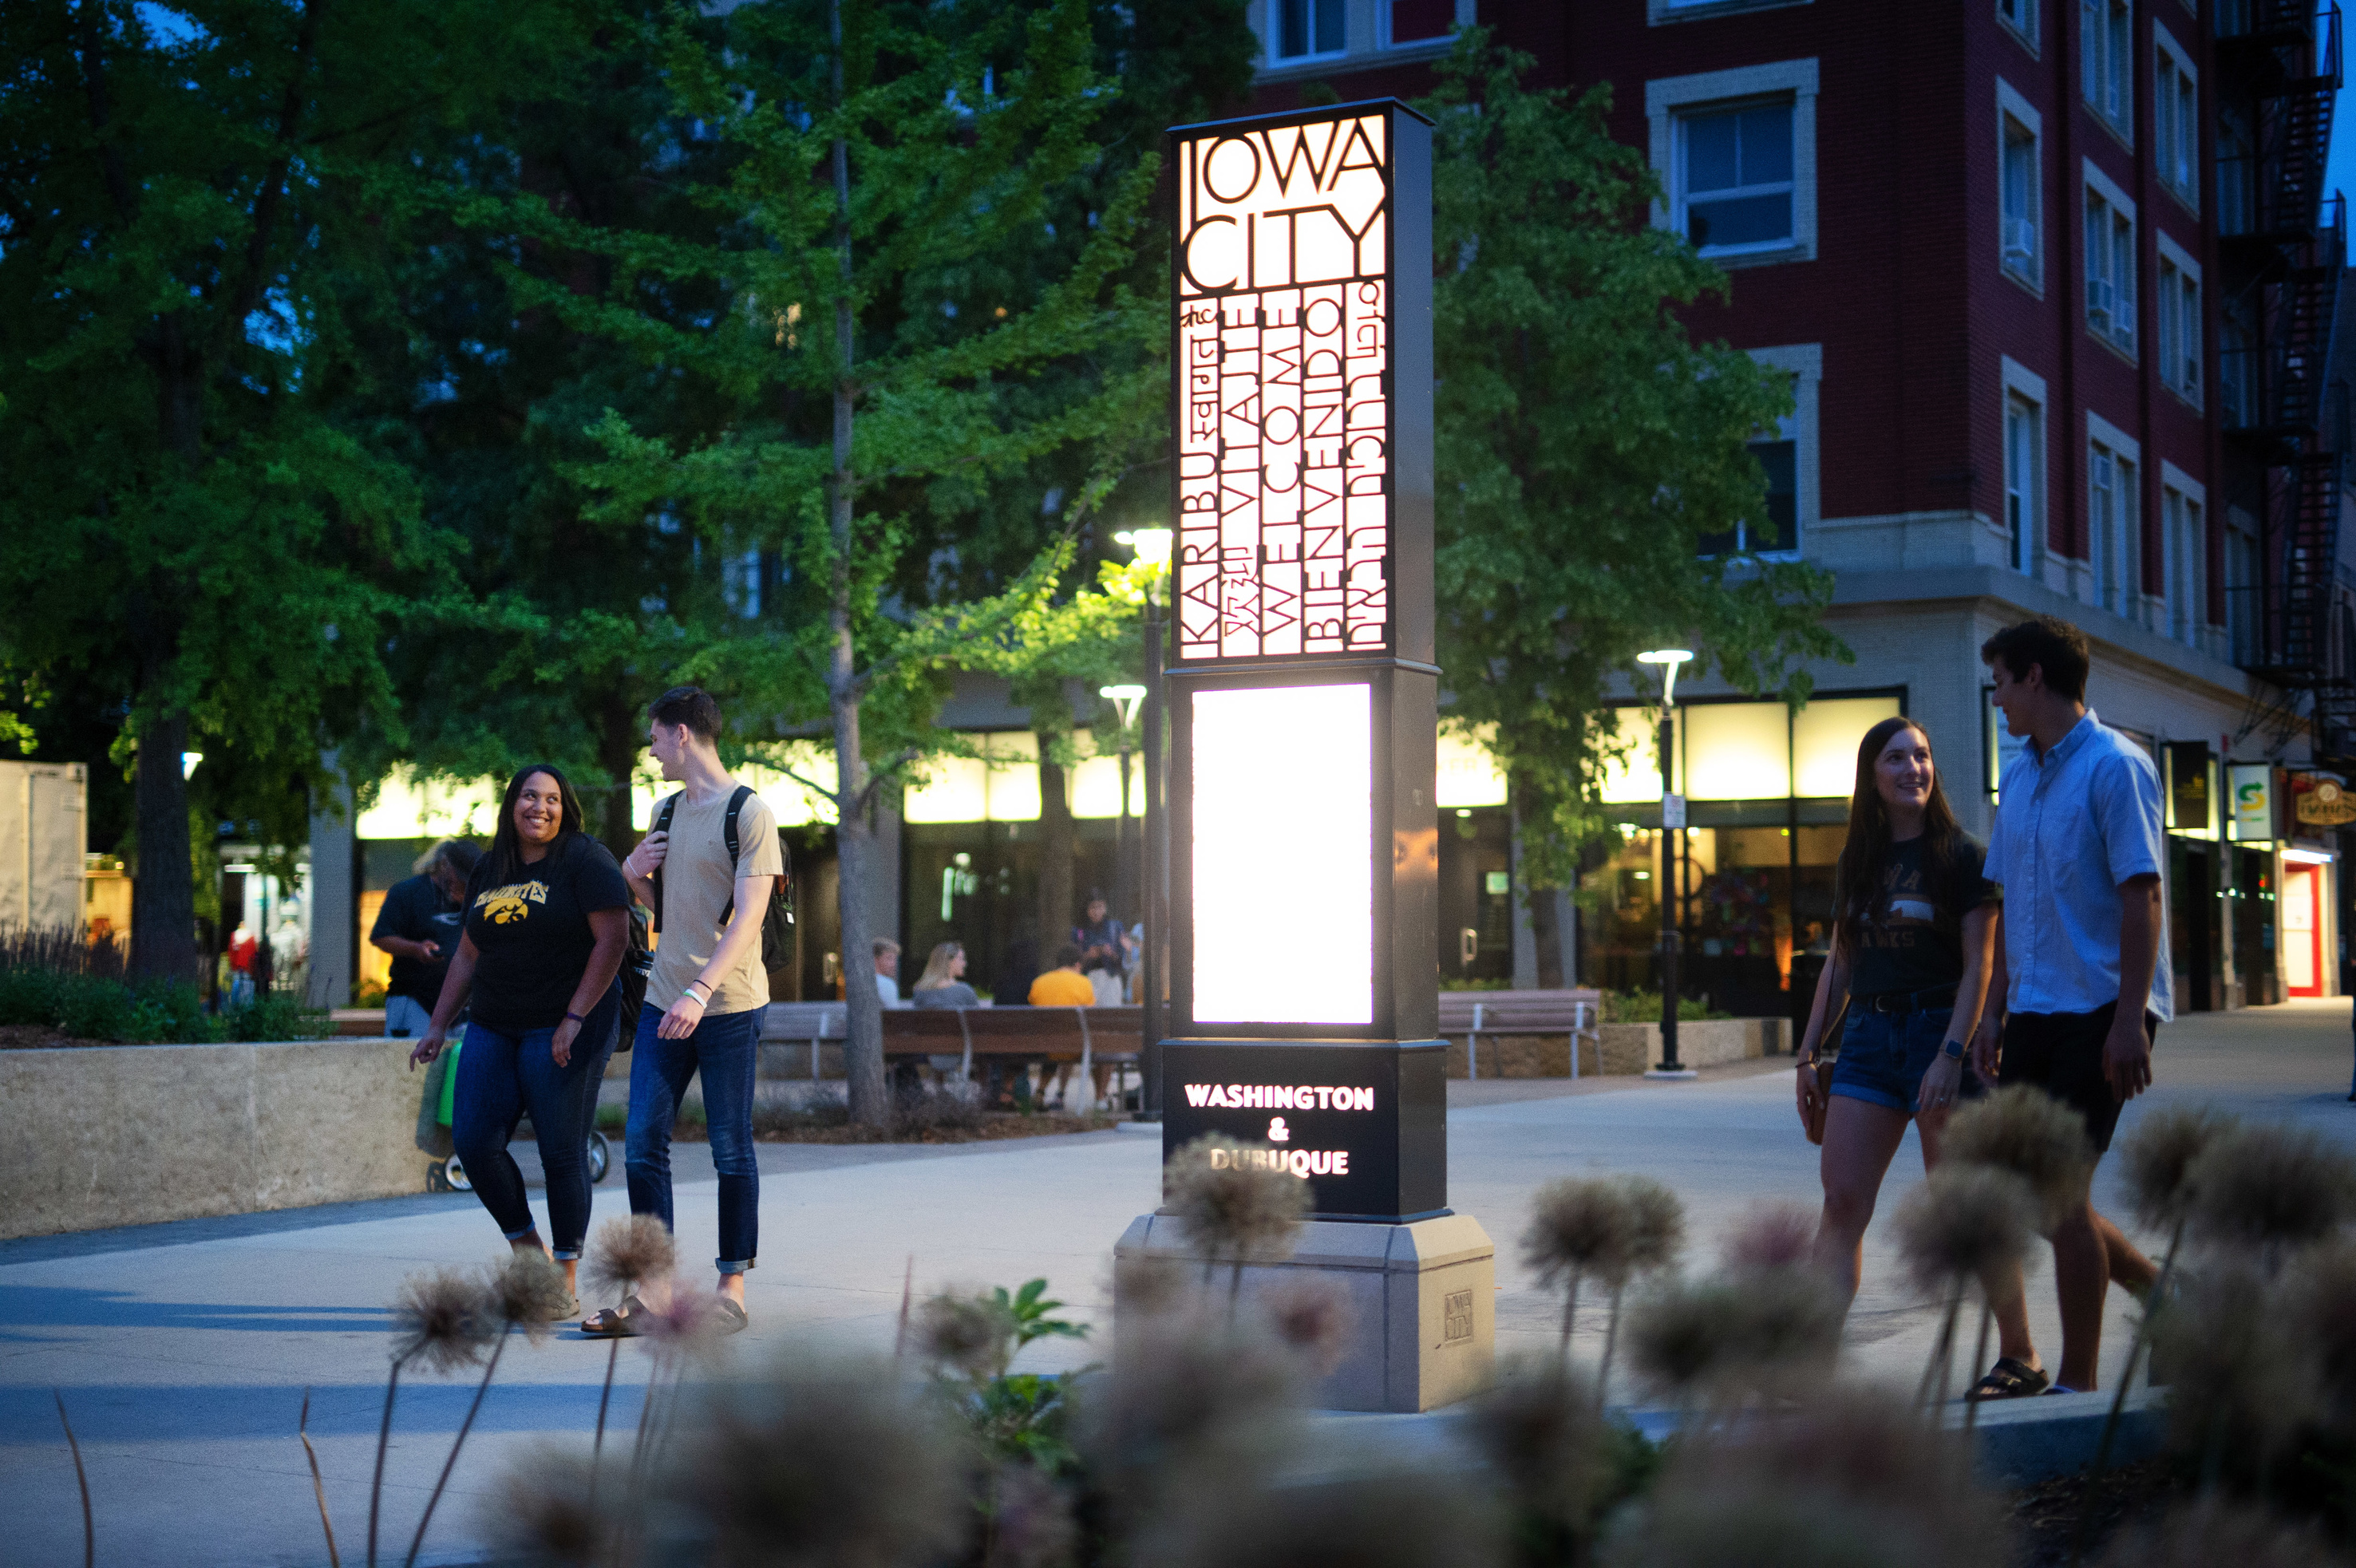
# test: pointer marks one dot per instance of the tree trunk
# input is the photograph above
(619, 734)
(1546, 931)
(164, 897)
(1055, 911)
(862, 1048)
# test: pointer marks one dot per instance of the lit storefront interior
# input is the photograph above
(1767, 789)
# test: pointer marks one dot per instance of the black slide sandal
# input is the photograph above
(2008, 1378)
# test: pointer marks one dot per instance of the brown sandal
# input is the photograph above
(615, 1322)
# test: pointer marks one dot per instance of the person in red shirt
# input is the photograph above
(241, 947)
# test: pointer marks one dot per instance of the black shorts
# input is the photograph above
(2061, 1053)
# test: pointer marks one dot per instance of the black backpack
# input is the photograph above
(777, 920)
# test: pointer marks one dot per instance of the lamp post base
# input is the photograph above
(1421, 1313)
(1677, 1074)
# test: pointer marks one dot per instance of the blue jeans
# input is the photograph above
(725, 1050)
(502, 1075)
(1884, 1055)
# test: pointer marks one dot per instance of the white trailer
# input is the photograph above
(43, 813)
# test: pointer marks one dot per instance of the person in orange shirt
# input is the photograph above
(1064, 985)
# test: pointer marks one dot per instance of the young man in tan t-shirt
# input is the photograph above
(705, 998)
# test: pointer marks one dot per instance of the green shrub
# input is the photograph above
(1644, 1007)
(35, 989)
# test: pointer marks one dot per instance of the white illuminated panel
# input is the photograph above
(1284, 340)
(1284, 786)
(1737, 751)
(1825, 738)
(1631, 771)
(1468, 772)
(409, 807)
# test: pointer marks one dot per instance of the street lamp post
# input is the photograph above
(1673, 829)
(1151, 546)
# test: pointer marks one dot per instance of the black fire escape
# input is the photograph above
(2284, 247)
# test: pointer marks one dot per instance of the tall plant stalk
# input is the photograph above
(318, 1486)
(2136, 1348)
(1610, 1342)
(89, 1527)
(1942, 1355)
(1979, 1359)
(383, 1440)
(1569, 1310)
(451, 1464)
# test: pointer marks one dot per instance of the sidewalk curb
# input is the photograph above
(2016, 1442)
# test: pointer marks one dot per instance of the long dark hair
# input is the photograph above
(1865, 858)
(506, 859)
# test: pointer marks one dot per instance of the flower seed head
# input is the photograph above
(2159, 1155)
(528, 1291)
(1429, 1520)
(2271, 1188)
(2024, 1130)
(1964, 1223)
(626, 1253)
(444, 1320)
(1313, 1317)
(967, 1332)
(1234, 1209)
(1541, 1431)
(1578, 1228)
(1656, 1224)
(1770, 1235)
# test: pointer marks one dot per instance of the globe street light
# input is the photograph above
(1673, 829)
(1151, 548)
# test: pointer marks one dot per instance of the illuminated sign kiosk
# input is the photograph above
(1303, 701)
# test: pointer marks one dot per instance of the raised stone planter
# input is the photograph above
(1624, 1048)
(130, 1135)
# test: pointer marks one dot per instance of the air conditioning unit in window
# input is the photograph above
(2098, 303)
(2020, 243)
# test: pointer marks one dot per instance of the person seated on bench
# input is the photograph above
(1066, 986)
(942, 985)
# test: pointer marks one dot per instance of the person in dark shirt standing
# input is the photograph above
(547, 925)
(1914, 926)
(418, 925)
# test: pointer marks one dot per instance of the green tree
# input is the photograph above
(1586, 446)
(196, 208)
(872, 155)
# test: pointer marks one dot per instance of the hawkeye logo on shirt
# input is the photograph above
(507, 905)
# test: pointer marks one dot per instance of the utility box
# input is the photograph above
(43, 816)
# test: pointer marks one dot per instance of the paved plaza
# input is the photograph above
(183, 1350)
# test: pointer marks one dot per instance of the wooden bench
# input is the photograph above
(1573, 1012)
(1088, 1035)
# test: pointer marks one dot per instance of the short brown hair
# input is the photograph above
(1066, 955)
(689, 704)
(882, 945)
(2051, 644)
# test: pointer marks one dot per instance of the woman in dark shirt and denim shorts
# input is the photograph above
(1913, 931)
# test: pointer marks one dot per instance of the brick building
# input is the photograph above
(2056, 282)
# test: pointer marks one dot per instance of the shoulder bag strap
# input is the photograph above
(662, 825)
(728, 836)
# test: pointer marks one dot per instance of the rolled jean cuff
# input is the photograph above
(520, 1235)
(739, 1267)
(566, 1254)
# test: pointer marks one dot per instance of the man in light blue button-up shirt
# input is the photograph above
(2078, 849)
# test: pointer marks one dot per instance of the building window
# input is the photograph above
(1417, 21)
(1779, 528)
(2106, 45)
(2020, 16)
(2185, 544)
(2175, 117)
(2111, 530)
(2241, 590)
(2236, 369)
(2020, 191)
(2236, 174)
(1305, 29)
(2110, 263)
(1734, 177)
(2179, 322)
(1659, 11)
(2024, 479)
(1736, 154)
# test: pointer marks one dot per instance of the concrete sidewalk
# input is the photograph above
(183, 1350)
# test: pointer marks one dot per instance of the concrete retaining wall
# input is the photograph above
(1624, 1049)
(129, 1134)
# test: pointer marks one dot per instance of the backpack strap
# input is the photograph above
(662, 825)
(728, 836)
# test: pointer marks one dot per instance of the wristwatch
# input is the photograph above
(1953, 1050)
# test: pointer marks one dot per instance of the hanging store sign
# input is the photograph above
(2252, 787)
(2325, 803)
(1285, 418)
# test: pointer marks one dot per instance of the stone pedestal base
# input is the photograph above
(1422, 1296)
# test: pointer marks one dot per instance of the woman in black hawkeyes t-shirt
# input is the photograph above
(547, 923)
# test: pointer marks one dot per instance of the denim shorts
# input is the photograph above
(1884, 1055)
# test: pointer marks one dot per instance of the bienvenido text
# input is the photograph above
(1279, 1097)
